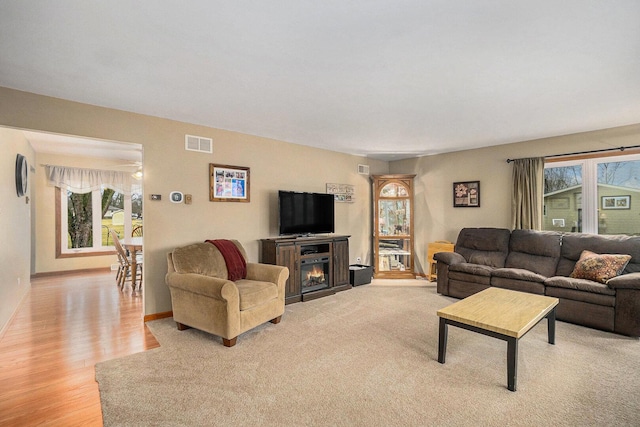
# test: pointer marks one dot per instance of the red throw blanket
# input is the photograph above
(236, 264)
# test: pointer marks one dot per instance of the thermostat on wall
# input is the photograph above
(176, 197)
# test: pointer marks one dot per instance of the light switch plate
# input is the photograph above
(188, 199)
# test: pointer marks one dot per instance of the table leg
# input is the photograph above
(442, 341)
(134, 268)
(512, 363)
(551, 326)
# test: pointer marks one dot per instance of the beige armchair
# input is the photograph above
(203, 298)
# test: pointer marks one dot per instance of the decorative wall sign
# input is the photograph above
(616, 202)
(466, 194)
(228, 183)
(342, 192)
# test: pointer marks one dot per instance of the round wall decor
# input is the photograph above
(21, 175)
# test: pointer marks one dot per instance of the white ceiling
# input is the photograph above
(130, 154)
(385, 79)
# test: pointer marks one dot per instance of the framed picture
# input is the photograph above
(228, 183)
(466, 194)
(616, 202)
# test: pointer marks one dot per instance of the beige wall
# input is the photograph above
(279, 165)
(435, 216)
(15, 223)
(167, 166)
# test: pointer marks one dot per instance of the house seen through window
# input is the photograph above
(593, 195)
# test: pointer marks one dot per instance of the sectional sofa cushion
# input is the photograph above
(574, 243)
(535, 251)
(579, 285)
(253, 293)
(533, 256)
(518, 274)
(471, 273)
(486, 246)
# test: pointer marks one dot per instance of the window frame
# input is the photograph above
(62, 251)
(589, 166)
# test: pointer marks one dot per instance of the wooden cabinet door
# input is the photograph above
(340, 262)
(286, 257)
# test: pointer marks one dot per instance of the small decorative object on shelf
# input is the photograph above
(393, 226)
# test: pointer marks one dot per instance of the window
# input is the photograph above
(84, 219)
(593, 195)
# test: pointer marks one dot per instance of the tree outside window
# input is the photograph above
(87, 215)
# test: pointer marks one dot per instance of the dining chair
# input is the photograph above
(137, 231)
(124, 272)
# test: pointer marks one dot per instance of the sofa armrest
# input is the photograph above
(444, 260)
(220, 289)
(625, 281)
(449, 258)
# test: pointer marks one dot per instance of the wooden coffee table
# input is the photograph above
(499, 313)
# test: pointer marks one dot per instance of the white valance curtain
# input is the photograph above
(81, 180)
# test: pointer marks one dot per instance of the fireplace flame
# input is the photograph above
(316, 274)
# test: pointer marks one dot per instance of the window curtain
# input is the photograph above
(86, 180)
(526, 201)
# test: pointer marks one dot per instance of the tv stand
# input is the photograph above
(299, 253)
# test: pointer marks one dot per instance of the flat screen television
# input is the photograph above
(305, 213)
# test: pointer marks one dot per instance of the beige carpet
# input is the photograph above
(368, 357)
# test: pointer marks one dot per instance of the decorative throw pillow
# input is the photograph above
(599, 267)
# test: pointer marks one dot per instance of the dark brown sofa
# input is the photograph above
(541, 262)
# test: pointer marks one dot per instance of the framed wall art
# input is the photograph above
(228, 183)
(466, 194)
(616, 202)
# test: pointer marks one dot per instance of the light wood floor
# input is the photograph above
(48, 352)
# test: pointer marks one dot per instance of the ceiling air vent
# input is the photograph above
(363, 169)
(198, 143)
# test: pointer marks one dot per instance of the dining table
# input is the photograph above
(134, 245)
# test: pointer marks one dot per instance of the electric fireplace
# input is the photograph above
(314, 274)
